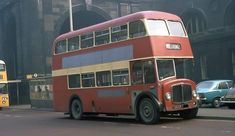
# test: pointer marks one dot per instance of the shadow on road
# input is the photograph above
(124, 119)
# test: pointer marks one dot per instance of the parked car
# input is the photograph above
(211, 91)
(229, 99)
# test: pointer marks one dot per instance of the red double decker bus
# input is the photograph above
(139, 64)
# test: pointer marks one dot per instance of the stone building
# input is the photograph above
(28, 28)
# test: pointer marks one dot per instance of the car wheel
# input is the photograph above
(76, 109)
(216, 103)
(148, 111)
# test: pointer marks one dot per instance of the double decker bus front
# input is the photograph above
(178, 91)
(174, 63)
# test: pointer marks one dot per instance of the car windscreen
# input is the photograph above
(3, 88)
(2, 67)
(205, 85)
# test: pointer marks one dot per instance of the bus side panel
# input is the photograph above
(113, 100)
(63, 95)
(142, 47)
(60, 94)
(57, 62)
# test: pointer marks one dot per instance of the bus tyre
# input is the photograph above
(148, 111)
(76, 109)
(189, 114)
(216, 102)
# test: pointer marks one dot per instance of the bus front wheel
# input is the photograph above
(148, 111)
(76, 109)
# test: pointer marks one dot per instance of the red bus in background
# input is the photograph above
(139, 64)
(4, 95)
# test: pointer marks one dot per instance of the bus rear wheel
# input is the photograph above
(76, 109)
(148, 111)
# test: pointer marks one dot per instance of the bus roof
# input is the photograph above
(2, 62)
(121, 20)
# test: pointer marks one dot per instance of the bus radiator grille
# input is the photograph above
(182, 93)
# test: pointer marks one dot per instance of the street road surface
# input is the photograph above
(15, 122)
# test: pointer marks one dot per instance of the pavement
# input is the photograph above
(222, 113)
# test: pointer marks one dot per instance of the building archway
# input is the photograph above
(83, 16)
(194, 20)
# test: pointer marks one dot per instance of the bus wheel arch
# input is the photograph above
(75, 107)
(147, 108)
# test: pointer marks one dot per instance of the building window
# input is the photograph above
(120, 77)
(74, 81)
(128, 7)
(230, 14)
(203, 65)
(194, 21)
(125, 8)
(233, 62)
(103, 78)
(195, 25)
(88, 80)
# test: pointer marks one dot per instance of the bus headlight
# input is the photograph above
(194, 94)
(168, 96)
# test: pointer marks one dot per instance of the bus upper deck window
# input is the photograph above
(60, 47)
(73, 43)
(119, 33)
(102, 37)
(137, 29)
(176, 28)
(87, 40)
(157, 27)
